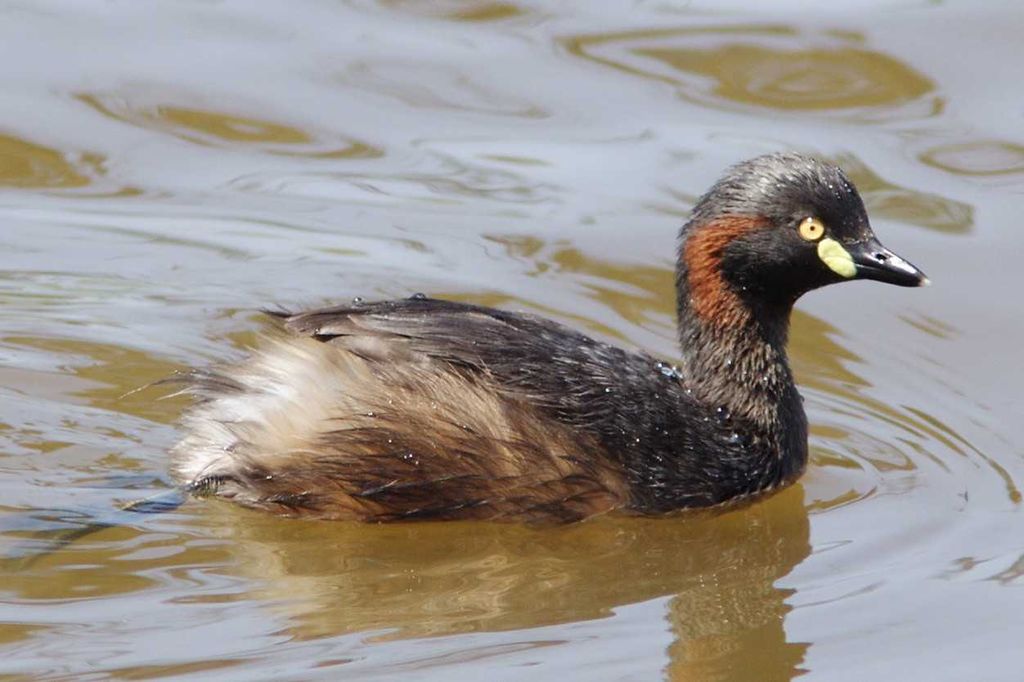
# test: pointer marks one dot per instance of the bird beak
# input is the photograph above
(868, 259)
(874, 261)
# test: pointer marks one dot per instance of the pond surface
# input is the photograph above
(167, 168)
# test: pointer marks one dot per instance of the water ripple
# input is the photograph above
(774, 67)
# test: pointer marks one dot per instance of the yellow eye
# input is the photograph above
(812, 229)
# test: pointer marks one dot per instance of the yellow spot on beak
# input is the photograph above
(836, 258)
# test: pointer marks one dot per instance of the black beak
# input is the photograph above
(874, 261)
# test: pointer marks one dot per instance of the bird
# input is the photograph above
(426, 409)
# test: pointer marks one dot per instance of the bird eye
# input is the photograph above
(812, 229)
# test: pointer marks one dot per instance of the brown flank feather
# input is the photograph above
(314, 429)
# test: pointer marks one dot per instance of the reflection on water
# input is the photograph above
(979, 158)
(26, 165)
(458, 10)
(886, 199)
(855, 430)
(441, 579)
(109, 377)
(222, 129)
(774, 67)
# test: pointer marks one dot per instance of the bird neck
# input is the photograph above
(741, 367)
(741, 372)
(733, 341)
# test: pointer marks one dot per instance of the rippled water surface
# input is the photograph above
(167, 168)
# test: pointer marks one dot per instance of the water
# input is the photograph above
(167, 169)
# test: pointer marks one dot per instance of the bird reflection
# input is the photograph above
(719, 571)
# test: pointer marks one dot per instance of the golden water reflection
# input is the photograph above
(27, 165)
(769, 66)
(459, 10)
(111, 377)
(218, 128)
(977, 158)
(440, 579)
(886, 199)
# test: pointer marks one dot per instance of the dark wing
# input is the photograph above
(545, 362)
(465, 334)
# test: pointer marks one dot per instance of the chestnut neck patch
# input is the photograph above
(711, 299)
